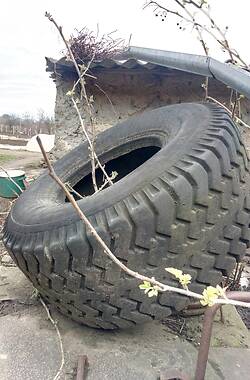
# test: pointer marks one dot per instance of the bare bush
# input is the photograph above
(85, 45)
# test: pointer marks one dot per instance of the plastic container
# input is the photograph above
(9, 189)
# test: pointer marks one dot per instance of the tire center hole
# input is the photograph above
(122, 165)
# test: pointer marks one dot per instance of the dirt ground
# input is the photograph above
(30, 162)
(29, 346)
(21, 159)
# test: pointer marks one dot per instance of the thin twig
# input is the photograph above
(205, 86)
(91, 146)
(59, 372)
(12, 180)
(105, 183)
(182, 327)
(191, 20)
(237, 119)
(85, 42)
(110, 101)
(59, 28)
(72, 190)
(83, 91)
(93, 155)
(222, 34)
(83, 74)
(160, 286)
(239, 107)
(235, 104)
(231, 97)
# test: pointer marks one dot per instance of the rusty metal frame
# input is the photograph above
(82, 367)
(207, 332)
(202, 358)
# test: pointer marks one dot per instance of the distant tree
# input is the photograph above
(9, 119)
(45, 122)
(41, 124)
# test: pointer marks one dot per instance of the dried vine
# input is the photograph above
(197, 14)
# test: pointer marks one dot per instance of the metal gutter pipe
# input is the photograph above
(230, 75)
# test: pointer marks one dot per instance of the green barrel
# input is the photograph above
(11, 189)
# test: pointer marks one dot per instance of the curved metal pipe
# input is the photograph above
(207, 332)
(230, 75)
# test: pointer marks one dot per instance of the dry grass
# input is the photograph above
(86, 45)
(6, 157)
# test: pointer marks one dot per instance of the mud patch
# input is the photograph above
(230, 333)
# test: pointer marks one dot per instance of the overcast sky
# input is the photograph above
(27, 37)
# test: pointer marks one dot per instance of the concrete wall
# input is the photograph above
(130, 92)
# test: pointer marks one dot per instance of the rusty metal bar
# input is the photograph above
(82, 367)
(207, 332)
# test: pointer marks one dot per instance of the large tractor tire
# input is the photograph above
(181, 199)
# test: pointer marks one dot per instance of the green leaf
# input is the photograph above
(114, 174)
(145, 285)
(220, 291)
(184, 279)
(176, 272)
(153, 292)
(70, 93)
(210, 295)
(82, 67)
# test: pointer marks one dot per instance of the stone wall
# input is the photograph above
(121, 93)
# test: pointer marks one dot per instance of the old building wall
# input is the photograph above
(119, 94)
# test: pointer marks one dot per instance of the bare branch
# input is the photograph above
(85, 42)
(86, 68)
(221, 33)
(237, 119)
(110, 101)
(93, 156)
(59, 372)
(198, 26)
(92, 150)
(72, 190)
(71, 55)
(11, 179)
(235, 104)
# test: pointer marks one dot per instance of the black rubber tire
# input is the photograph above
(186, 207)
